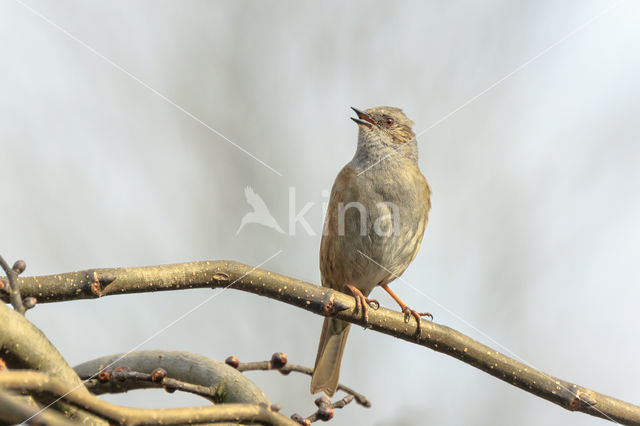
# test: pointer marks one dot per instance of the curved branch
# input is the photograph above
(23, 345)
(224, 384)
(14, 409)
(323, 301)
(40, 382)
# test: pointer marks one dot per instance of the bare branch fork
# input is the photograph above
(12, 286)
(232, 412)
(40, 386)
(96, 283)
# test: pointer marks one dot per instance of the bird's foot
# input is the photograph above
(408, 313)
(363, 303)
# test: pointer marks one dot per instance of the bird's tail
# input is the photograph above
(327, 369)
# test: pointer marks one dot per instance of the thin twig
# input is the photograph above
(327, 302)
(167, 383)
(171, 370)
(280, 363)
(324, 411)
(14, 290)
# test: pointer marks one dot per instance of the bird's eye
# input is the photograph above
(389, 121)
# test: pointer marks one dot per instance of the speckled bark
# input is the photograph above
(103, 282)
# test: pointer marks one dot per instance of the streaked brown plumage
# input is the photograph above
(375, 221)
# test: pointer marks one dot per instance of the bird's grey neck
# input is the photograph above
(377, 151)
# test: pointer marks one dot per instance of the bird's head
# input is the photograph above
(384, 123)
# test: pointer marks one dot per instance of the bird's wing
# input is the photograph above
(331, 265)
(254, 199)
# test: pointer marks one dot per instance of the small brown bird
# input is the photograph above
(375, 221)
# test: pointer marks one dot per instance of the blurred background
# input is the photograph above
(533, 241)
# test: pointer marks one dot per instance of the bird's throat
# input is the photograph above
(375, 150)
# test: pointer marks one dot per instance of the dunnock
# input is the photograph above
(375, 222)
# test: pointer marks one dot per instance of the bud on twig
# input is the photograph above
(19, 266)
(29, 302)
(325, 413)
(232, 361)
(104, 376)
(158, 375)
(278, 360)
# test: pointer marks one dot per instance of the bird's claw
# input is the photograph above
(363, 303)
(408, 313)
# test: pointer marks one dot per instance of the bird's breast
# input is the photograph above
(374, 226)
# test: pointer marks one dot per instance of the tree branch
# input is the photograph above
(219, 382)
(323, 301)
(33, 381)
(14, 409)
(22, 345)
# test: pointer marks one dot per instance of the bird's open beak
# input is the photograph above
(363, 118)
